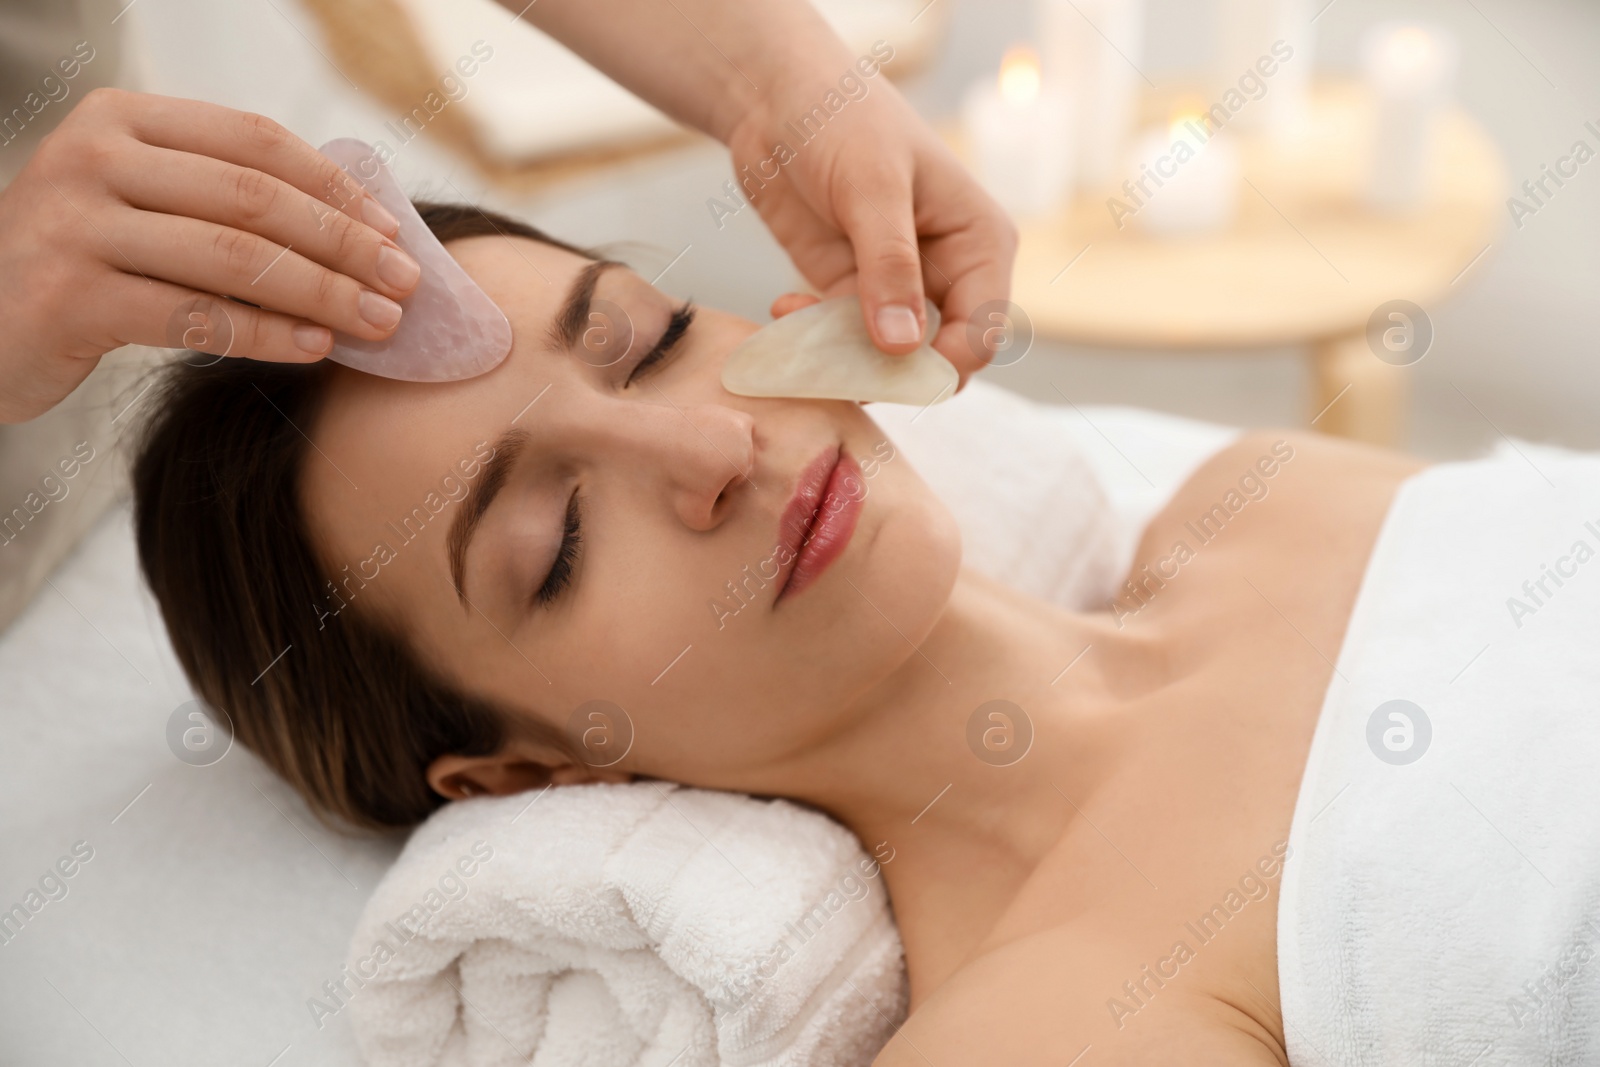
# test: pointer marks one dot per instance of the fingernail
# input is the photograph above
(377, 216)
(379, 310)
(315, 340)
(397, 269)
(897, 324)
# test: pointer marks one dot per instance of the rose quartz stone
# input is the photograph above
(449, 328)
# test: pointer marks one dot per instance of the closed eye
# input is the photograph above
(677, 326)
(560, 576)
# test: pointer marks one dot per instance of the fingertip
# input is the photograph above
(896, 328)
(788, 303)
(312, 340)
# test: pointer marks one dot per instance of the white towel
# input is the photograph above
(1446, 910)
(1031, 510)
(626, 924)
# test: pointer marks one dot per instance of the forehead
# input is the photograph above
(384, 448)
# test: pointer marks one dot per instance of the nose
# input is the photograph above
(704, 451)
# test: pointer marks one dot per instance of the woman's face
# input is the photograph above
(595, 520)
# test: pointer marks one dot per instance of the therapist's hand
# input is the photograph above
(876, 204)
(139, 213)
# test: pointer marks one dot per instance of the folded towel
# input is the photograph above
(1031, 510)
(1441, 900)
(627, 924)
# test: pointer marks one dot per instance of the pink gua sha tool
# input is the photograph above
(449, 328)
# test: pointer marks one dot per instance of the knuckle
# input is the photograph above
(66, 151)
(102, 102)
(257, 335)
(896, 258)
(999, 227)
(201, 323)
(54, 154)
(326, 287)
(1009, 235)
(82, 135)
(338, 187)
(255, 194)
(263, 132)
(236, 250)
(347, 237)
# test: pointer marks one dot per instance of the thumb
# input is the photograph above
(879, 222)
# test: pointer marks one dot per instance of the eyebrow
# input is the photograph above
(507, 448)
(569, 321)
(564, 333)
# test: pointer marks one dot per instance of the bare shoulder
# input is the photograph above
(1311, 473)
(1281, 457)
(1044, 1000)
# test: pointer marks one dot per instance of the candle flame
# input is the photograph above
(1409, 48)
(1019, 75)
(1189, 110)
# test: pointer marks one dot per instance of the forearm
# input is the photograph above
(706, 63)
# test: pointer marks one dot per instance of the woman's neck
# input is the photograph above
(958, 823)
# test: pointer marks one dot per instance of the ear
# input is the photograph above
(792, 302)
(515, 770)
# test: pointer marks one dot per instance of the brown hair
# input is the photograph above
(339, 706)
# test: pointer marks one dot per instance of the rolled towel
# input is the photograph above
(641, 923)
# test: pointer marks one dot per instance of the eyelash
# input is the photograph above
(677, 326)
(560, 575)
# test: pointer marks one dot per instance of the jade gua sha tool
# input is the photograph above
(449, 328)
(824, 352)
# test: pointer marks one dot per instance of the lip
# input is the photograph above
(812, 532)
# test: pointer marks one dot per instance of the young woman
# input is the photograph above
(401, 593)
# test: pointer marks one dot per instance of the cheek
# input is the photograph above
(679, 632)
(911, 563)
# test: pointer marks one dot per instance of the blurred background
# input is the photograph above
(1510, 301)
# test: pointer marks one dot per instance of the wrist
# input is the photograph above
(841, 86)
(768, 80)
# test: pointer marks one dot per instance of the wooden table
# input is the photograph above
(1305, 262)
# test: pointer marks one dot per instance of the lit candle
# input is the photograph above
(1187, 179)
(1092, 49)
(1019, 133)
(1410, 69)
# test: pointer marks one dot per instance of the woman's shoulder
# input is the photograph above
(1057, 997)
(1282, 479)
